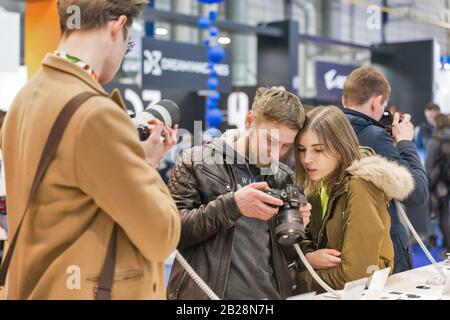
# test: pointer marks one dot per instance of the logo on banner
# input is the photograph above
(155, 64)
(152, 62)
(334, 81)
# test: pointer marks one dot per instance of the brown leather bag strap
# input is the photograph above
(50, 148)
(103, 290)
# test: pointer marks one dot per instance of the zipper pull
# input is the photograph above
(228, 187)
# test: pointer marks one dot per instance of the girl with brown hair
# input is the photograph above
(349, 189)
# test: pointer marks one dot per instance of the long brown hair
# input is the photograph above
(335, 132)
(442, 121)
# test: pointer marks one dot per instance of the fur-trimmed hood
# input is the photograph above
(393, 179)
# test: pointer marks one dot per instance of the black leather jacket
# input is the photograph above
(203, 185)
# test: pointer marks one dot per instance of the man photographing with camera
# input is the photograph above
(228, 218)
(100, 222)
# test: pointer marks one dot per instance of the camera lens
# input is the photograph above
(166, 111)
(289, 229)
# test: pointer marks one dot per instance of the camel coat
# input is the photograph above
(99, 176)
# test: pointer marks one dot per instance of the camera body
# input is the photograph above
(289, 224)
(386, 119)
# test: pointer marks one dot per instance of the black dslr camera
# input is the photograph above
(386, 120)
(289, 224)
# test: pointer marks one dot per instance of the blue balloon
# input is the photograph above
(213, 31)
(212, 83)
(216, 54)
(206, 42)
(203, 23)
(212, 133)
(211, 104)
(214, 95)
(213, 15)
(213, 73)
(210, 1)
(211, 65)
(214, 117)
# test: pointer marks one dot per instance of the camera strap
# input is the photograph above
(103, 290)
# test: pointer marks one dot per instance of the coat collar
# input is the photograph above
(62, 65)
(393, 179)
(68, 67)
(360, 115)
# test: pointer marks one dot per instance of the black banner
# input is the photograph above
(172, 65)
(330, 78)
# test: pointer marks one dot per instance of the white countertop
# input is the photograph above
(411, 285)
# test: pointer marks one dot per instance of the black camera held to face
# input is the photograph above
(289, 224)
(166, 111)
(386, 120)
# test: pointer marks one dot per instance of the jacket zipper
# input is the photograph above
(212, 175)
(179, 284)
(275, 261)
(325, 220)
(233, 179)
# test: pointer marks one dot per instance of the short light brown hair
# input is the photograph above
(95, 14)
(279, 106)
(432, 107)
(364, 83)
(336, 133)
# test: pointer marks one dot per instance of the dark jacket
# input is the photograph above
(424, 135)
(437, 162)
(357, 222)
(372, 133)
(203, 185)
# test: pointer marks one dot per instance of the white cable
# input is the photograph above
(314, 273)
(199, 281)
(416, 236)
(208, 291)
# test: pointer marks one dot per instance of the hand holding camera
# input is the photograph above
(155, 147)
(289, 205)
(402, 128)
(253, 201)
(290, 227)
(157, 128)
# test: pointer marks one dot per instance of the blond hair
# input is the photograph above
(279, 106)
(95, 14)
(336, 133)
(364, 83)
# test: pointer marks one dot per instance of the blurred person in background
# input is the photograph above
(438, 170)
(168, 161)
(425, 130)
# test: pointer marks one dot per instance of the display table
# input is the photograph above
(415, 284)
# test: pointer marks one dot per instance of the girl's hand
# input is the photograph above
(323, 258)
